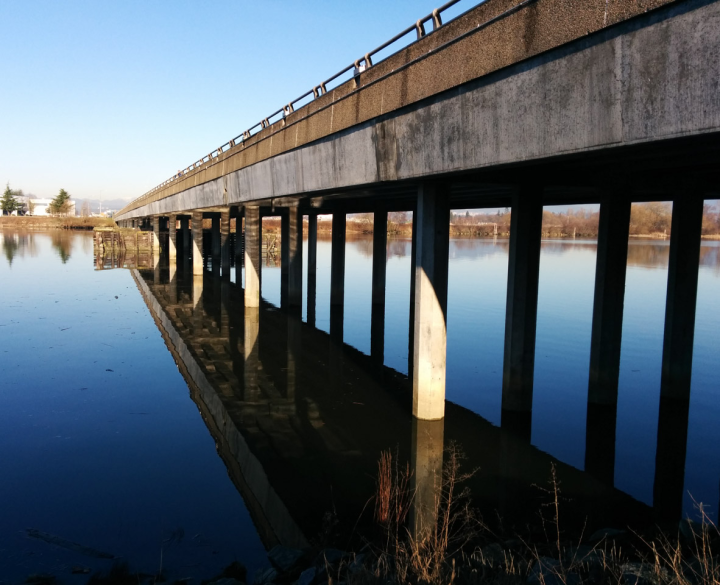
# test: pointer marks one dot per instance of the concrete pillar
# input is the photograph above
(172, 238)
(521, 308)
(225, 243)
(239, 252)
(215, 244)
(677, 356)
(337, 276)
(312, 269)
(681, 297)
(431, 277)
(284, 256)
(251, 346)
(156, 236)
(426, 483)
(185, 230)
(295, 258)
(252, 256)
(611, 267)
(379, 266)
(197, 238)
(411, 328)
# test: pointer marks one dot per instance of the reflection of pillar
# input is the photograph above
(677, 356)
(670, 457)
(431, 278)
(295, 260)
(681, 297)
(252, 256)
(225, 243)
(294, 344)
(337, 276)
(224, 307)
(611, 265)
(172, 238)
(185, 231)
(252, 360)
(172, 282)
(312, 268)
(522, 294)
(197, 290)
(427, 463)
(284, 256)
(197, 238)
(156, 235)
(377, 319)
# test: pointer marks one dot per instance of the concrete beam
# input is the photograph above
(522, 295)
(431, 282)
(253, 236)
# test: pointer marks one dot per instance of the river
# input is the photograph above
(114, 437)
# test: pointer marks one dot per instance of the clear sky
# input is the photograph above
(108, 99)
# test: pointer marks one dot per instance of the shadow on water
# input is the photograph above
(301, 420)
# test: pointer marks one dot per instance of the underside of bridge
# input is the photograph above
(495, 109)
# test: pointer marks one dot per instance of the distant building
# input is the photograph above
(41, 205)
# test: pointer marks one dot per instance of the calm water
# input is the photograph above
(131, 421)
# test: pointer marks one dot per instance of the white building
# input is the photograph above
(41, 205)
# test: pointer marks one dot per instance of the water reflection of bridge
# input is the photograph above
(300, 420)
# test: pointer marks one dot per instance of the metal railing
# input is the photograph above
(358, 66)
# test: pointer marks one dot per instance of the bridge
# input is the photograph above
(516, 104)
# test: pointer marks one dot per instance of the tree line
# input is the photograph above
(10, 203)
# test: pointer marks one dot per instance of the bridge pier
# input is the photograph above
(294, 258)
(284, 255)
(379, 278)
(431, 284)
(521, 309)
(606, 339)
(215, 244)
(225, 243)
(172, 238)
(156, 235)
(252, 256)
(185, 234)
(197, 239)
(239, 252)
(312, 269)
(337, 275)
(683, 272)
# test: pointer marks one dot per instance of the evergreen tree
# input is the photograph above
(61, 204)
(8, 201)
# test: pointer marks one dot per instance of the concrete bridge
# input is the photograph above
(514, 103)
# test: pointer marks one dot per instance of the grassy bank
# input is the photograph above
(54, 223)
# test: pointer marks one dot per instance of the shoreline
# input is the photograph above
(41, 223)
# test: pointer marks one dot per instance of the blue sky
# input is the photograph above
(108, 99)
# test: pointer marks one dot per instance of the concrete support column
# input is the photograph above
(252, 256)
(521, 309)
(225, 243)
(431, 278)
(295, 257)
(172, 238)
(379, 269)
(411, 328)
(677, 356)
(197, 239)
(427, 462)
(239, 252)
(156, 236)
(610, 271)
(681, 297)
(337, 276)
(312, 268)
(215, 244)
(284, 256)
(185, 231)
